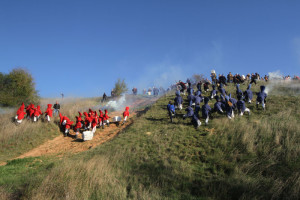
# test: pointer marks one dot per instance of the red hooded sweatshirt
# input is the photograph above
(31, 110)
(21, 115)
(78, 124)
(38, 111)
(106, 117)
(100, 116)
(126, 112)
(69, 123)
(21, 109)
(49, 110)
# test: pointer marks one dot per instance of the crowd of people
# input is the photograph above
(89, 121)
(225, 103)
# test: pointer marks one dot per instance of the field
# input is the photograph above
(250, 157)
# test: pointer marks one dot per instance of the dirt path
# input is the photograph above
(62, 145)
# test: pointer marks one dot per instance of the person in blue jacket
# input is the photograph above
(171, 110)
(248, 94)
(222, 90)
(213, 92)
(190, 90)
(261, 97)
(238, 90)
(206, 110)
(229, 108)
(241, 106)
(233, 101)
(190, 113)
(218, 106)
(197, 110)
(190, 99)
(178, 100)
(199, 86)
(197, 98)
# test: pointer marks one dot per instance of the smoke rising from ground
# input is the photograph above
(278, 86)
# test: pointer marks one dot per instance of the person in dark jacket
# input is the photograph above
(206, 86)
(238, 90)
(190, 113)
(218, 106)
(248, 94)
(178, 100)
(229, 108)
(241, 106)
(190, 90)
(199, 86)
(261, 97)
(206, 110)
(213, 92)
(222, 90)
(56, 107)
(197, 98)
(171, 110)
(190, 99)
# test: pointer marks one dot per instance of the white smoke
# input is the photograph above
(117, 104)
(279, 86)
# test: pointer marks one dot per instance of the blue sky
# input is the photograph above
(81, 48)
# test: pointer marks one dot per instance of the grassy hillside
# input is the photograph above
(250, 157)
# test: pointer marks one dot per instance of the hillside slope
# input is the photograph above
(250, 157)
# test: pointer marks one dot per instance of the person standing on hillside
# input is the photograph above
(125, 114)
(56, 107)
(104, 97)
(206, 110)
(261, 97)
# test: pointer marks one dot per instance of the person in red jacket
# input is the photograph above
(48, 112)
(80, 119)
(21, 109)
(87, 121)
(37, 113)
(100, 118)
(28, 110)
(94, 122)
(69, 123)
(31, 111)
(125, 114)
(105, 119)
(78, 125)
(20, 116)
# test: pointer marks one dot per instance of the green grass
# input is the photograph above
(250, 157)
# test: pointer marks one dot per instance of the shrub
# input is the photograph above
(120, 87)
(16, 87)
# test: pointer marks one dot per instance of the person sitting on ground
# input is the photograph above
(125, 115)
(206, 110)
(68, 125)
(190, 113)
(77, 126)
(20, 116)
(178, 100)
(37, 113)
(56, 107)
(21, 109)
(248, 94)
(171, 110)
(241, 106)
(94, 122)
(48, 113)
(261, 97)
(218, 106)
(105, 119)
(100, 118)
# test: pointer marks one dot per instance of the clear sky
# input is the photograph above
(81, 47)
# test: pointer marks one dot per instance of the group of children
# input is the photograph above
(32, 113)
(90, 121)
(225, 103)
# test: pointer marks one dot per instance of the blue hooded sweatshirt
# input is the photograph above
(190, 99)
(171, 107)
(248, 93)
(261, 96)
(222, 90)
(178, 99)
(189, 111)
(205, 108)
(238, 90)
(214, 91)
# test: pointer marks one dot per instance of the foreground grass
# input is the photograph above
(253, 157)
